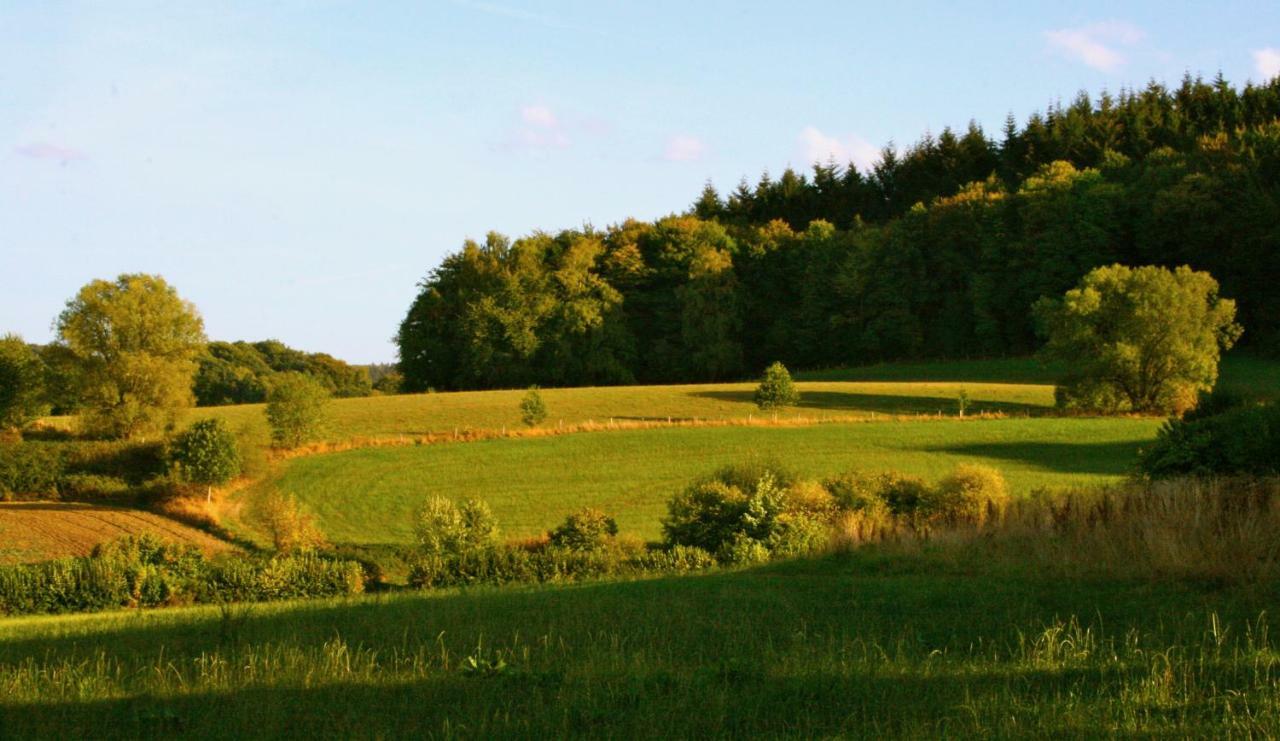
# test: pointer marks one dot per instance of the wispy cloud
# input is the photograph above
(1267, 62)
(538, 115)
(1099, 45)
(52, 152)
(815, 146)
(540, 129)
(684, 148)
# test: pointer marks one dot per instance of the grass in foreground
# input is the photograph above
(369, 496)
(855, 645)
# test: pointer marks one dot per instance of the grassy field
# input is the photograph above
(35, 531)
(851, 646)
(421, 414)
(369, 495)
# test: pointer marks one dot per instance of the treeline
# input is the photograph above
(242, 372)
(938, 252)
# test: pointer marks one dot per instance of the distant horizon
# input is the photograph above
(295, 172)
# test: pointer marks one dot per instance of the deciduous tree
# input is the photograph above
(135, 342)
(1145, 339)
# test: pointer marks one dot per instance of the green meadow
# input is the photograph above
(845, 646)
(370, 495)
(437, 413)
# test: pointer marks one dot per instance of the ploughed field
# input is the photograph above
(37, 531)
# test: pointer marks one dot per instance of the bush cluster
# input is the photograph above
(754, 513)
(145, 571)
(742, 514)
(458, 545)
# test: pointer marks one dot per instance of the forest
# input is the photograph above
(938, 252)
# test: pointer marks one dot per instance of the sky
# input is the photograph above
(296, 168)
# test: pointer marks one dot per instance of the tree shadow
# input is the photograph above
(663, 700)
(1116, 457)
(847, 401)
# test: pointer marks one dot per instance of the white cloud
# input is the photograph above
(47, 151)
(684, 148)
(1267, 62)
(818, 147)
(1096, 44)
(539, 115)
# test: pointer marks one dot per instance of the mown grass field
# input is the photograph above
(370, 495)
(36, 531)
(422, 414)
(849, 646)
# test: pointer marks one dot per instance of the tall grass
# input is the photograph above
(1223, 530)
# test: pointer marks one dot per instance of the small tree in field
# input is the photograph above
(532, 410)
(207, 454)
(1146, 339)
(295, 408)
(21, 383)
(776, 389)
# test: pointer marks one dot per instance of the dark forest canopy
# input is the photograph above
(938, 252)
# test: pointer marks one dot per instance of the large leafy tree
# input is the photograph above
(21, 383)
(135, 342)
(1146, 339)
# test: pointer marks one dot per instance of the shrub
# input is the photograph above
(31, 469)
(678, 559)
(291, 529)
(295, 408)
(798, 534)
(742, 550)
(776, 389)
(854, 491)
(296, 576)
(901, 493)
(82, 486)
(706, 515)
(1245, 440)
(589, 529)
(532, 410)
(446, 529)
(207, 454)
(717, 516)
(971, 495)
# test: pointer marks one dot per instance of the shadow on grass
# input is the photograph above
(842, 401)
(1115, 458)
(721, 698)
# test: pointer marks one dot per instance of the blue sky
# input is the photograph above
(295, 168)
